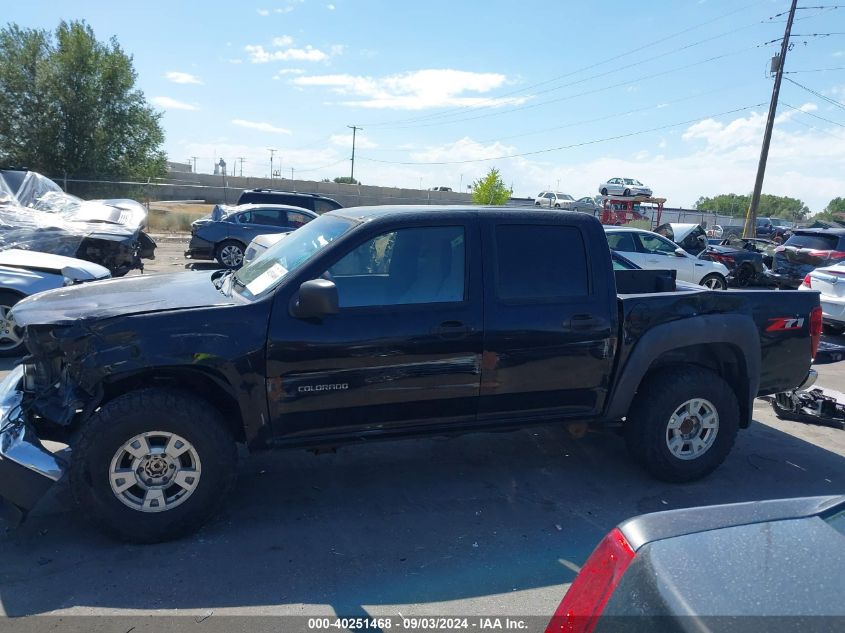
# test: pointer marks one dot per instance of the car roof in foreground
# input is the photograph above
(258, 205)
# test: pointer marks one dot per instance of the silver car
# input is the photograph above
(624, 187)
(24, 273)
(553, 200)
(586, 205)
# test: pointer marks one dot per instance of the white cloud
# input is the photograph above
(182, 78)
(330, 7)
(283, 40)
(415, 90)
(345, 140)
(235, 60)
(288, 71)
(839, 54)
(738, 132)
(169, 103)
(260, 126)
(263, 12)
(259, 55)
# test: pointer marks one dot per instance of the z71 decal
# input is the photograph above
(785, 323)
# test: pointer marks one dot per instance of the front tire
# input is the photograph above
(152, 465)
(626, 193)
(603, 191)
(682, 423)
(11, 336)
(230, 254)
(714, 281)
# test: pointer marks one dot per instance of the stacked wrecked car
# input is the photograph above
(36, 215)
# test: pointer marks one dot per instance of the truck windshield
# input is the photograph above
(283, 258)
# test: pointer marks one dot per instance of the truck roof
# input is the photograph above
(370, 213)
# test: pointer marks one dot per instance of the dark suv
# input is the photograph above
(311, 201)
(803, 252)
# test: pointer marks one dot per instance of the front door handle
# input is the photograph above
(450, 329)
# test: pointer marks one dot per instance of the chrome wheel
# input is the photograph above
(713, 282)
(231, 256)
(155, 471)
(10, 333)
(692, 429)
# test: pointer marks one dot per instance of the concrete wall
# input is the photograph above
(220, 189)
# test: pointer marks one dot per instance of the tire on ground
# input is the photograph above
(218, 253)
(146, 410)
(659, 396)
(9, 299)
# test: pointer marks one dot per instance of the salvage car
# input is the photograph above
(259, 245)
(803, 252)
(652, 251)
(746, 259)
(377, 323)
(225, 233)
(830, 282)
(35, 214)
(624, 187)
(24, 273)
(676, 571)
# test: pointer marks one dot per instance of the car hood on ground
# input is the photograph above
(121, 297)
(77, 269)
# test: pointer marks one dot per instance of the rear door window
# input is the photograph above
(816, 242)
(621, 242)
(322, 206)
(540, 262)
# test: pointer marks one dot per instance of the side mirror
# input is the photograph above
(316, 299)
(679, 252)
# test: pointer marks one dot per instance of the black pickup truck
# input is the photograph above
(380, 322)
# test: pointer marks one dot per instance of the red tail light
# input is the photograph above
(807, 281)
(815, 330)
(828, 254)
(588, 595)
(728, 260)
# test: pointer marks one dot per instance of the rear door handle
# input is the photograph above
(450, 329)
(583, 322)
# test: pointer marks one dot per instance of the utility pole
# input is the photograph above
(241, 158)
(272, 151)
(194, 158)
(751, 218)
(354, 129)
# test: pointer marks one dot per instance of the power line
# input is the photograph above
(813, 127)
(838, 104)
(491, 102)
(562, 147)
(812, 70)
(815, 116)
(589, 92)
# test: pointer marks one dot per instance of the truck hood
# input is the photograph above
(121, 297)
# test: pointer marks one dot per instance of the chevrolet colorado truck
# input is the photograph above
(380, 322)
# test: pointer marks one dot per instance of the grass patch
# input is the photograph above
(175, 217)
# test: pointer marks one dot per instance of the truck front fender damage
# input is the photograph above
(27, 469)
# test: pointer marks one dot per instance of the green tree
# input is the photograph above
(490, 189)
(736, 205)
(346, 180)
(69, 105)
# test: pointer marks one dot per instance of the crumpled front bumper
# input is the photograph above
(27, 469)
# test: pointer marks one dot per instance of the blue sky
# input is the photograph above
(441, 86)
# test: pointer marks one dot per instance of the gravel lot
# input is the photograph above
(482, 524)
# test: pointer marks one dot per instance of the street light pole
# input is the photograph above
(272, 151)
(750, 229)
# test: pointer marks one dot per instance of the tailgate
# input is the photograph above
(783, 320)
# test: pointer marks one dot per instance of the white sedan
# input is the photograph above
(653, 251)
(830, 282)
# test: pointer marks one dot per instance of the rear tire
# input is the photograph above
(714, 281)
(669, 435)
(604, 191)
(152, 465)
(11, 336)
(626, 193)
(230, 254)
